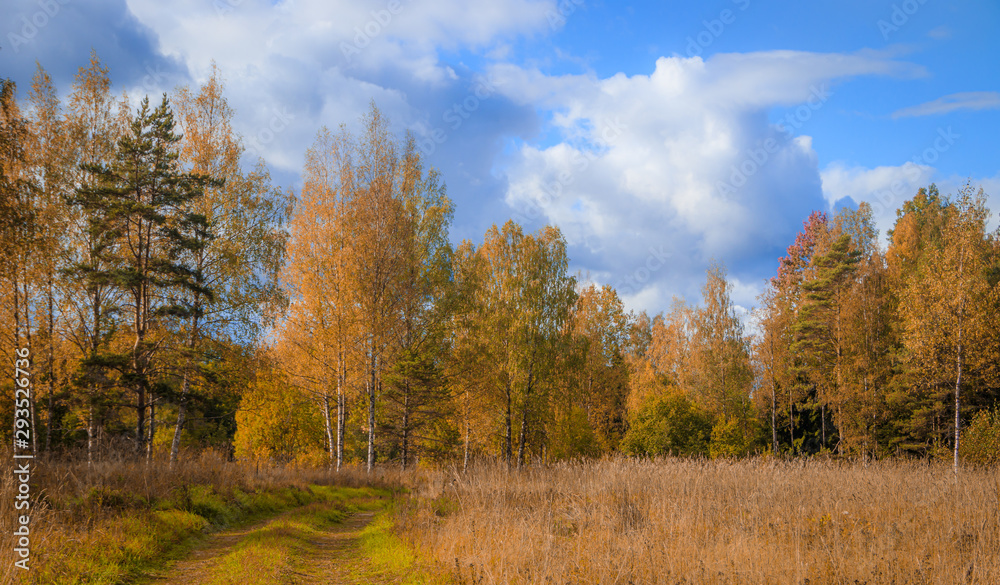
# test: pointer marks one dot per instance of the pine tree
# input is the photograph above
(142, 201)
(819, 328)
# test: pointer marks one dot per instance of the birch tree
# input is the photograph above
(240, 257)
(946, 307)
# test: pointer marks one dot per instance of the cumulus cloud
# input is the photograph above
(60, 36)
(886, 188)
(655, 175)
(649, 176)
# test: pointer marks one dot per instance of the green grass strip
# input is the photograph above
(390, 557)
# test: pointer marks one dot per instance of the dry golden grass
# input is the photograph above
(690, 521)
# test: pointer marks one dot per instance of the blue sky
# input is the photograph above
(657, 135)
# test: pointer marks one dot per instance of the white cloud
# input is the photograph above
(669, 170)
(886, 188)
(321, 62)
(972, 100)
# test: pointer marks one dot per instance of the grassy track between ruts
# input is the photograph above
(346, 538)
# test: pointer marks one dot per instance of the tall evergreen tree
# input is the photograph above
(820, 325)
(142, 200)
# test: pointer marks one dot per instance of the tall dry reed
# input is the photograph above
(690, 521)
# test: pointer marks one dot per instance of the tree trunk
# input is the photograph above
(822, 418)
(90, 435)
(465, 459)
(51, 367)
(152, 429)
(508, 451)
(523, 437)
(524, 420)
(175, 444)
(31, 365)
(140, 407)
(774, 420)
(406, 423)
(341, 417)
(791, 422)
(958, 393)
(330, 442)
(371, 414)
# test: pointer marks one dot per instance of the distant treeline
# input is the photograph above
(173, 298)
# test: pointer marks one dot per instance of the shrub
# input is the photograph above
(668, 424)
(733, 437)
(981, 441)
(574, 436)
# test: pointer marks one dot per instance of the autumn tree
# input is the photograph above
(600, 325)
(319, 331)
(48, 157)
(369, 264)
(521, 298)
(772, 356)
(469, 368)
(276, 421)
(720, 351)
(19, 201)
(871, 347)
(236, 252)
(91, 304)
(946, 307)
(142, 199)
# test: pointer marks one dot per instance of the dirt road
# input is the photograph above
(331, 557)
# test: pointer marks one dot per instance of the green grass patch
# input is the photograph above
(391, 557)
(270, 554)
(120, 549)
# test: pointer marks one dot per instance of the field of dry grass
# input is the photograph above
(689, 521)
(612, 521)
